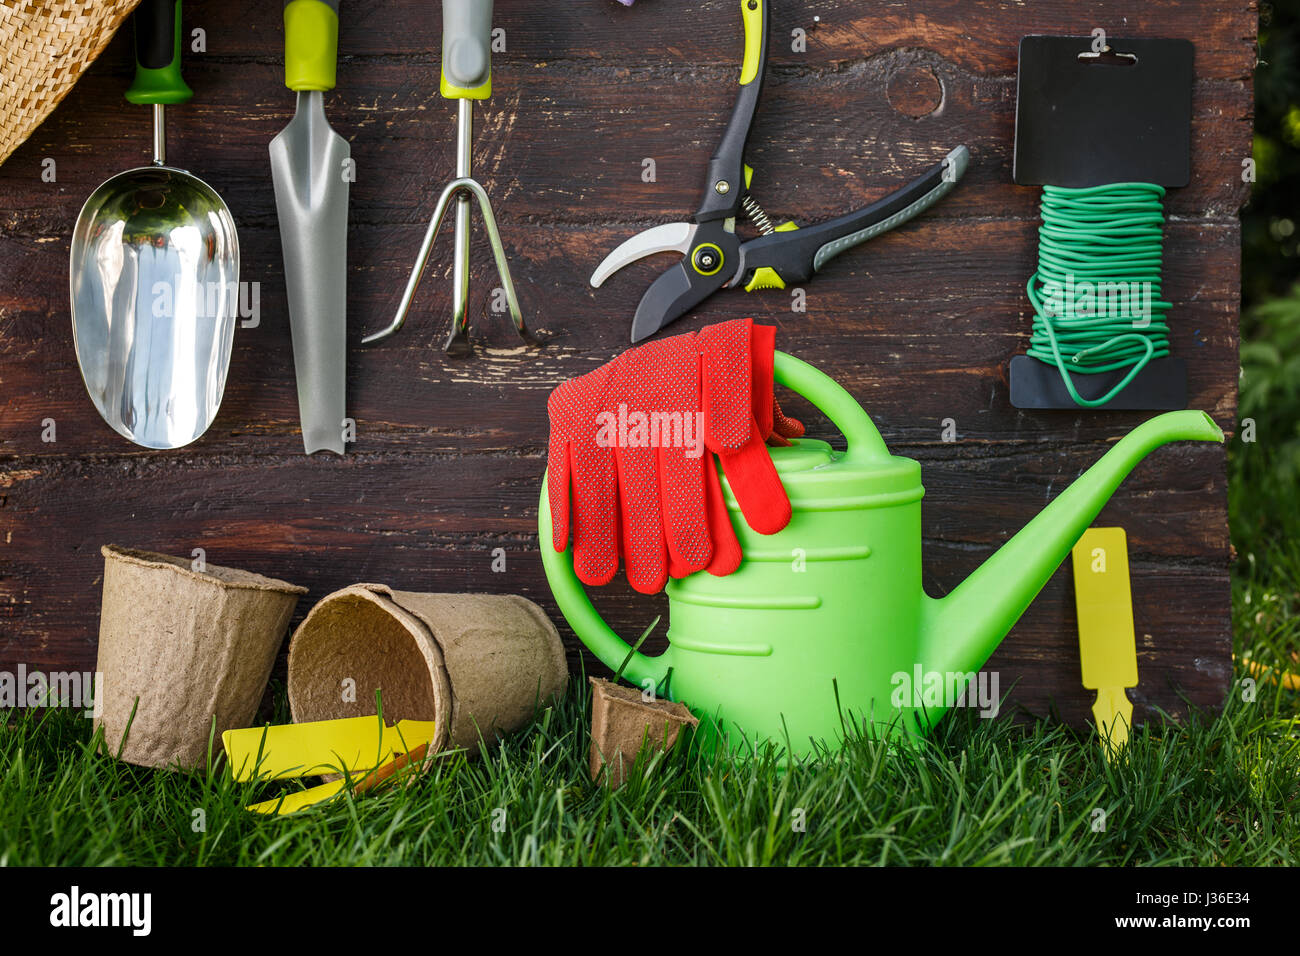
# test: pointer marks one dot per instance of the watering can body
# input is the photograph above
(819, 618)
(825, 630)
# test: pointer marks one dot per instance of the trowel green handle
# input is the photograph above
(311, 44)
(158, 54)
(466, 49)
(845, 413)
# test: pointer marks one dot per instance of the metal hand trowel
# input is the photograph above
(154, 272)
(310, 169)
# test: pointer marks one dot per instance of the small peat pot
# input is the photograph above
(622, 725)
(478, 665)
(183, 648)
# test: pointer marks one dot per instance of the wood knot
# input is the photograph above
(914, 91)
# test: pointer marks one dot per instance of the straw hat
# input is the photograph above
(47, 45)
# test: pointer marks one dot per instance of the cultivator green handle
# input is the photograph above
(158, 78)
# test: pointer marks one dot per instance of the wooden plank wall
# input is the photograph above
(919, 324)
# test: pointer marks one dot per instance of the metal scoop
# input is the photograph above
(154, 273)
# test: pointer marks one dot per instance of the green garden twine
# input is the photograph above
(1096, 295)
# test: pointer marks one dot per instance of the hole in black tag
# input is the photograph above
(1108, 57)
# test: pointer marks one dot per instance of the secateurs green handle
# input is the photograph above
(790, 254)
(158, 80)
(728, 179)
(713, 257)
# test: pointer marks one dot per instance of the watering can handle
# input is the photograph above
(860, 432)
(863, 439)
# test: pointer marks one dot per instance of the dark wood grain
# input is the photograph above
(919, 324)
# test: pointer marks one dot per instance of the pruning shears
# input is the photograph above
(714, 257)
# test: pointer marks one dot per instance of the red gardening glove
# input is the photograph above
(627, 455)
(652, 497)
(582, 471)
(784, 427)
(773, 424)
(731, 427)
(654, 395)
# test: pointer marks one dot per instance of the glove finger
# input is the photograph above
(783, 424)
(595, 515)
(645, 556)
(557, 491)
(725, 383)
(726, 549)
(757, 486)
(571, 407)
(681, 473)
(558, 473)
(762, 348)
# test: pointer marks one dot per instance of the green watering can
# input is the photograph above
(826, 620)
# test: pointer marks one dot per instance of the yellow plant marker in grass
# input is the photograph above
(353, 744)
(292, 802)
(401, 766)
(357, 745)
(1107, 646)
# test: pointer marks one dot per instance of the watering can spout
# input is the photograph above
(961, 631)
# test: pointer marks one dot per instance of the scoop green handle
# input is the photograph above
(311, 44)
(466, 49)
(864, 442)
(158, 78)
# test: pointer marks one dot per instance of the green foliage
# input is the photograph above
(1209, 792)
(1265, 472)
(1271, 222)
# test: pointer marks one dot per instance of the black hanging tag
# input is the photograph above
(1093, 113)
(1088, 117)
(1162, 386)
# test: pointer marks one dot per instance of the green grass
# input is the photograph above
(1214, 791)
(1217, 789)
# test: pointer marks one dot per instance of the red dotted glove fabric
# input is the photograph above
(734, 430)
(582, 479)
(775, 426)
(659, 451)
(630, 473)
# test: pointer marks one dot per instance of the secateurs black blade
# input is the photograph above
(714, 257)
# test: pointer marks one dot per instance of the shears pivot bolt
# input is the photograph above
(707, 260)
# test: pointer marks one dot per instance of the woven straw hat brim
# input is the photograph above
(46, 46)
